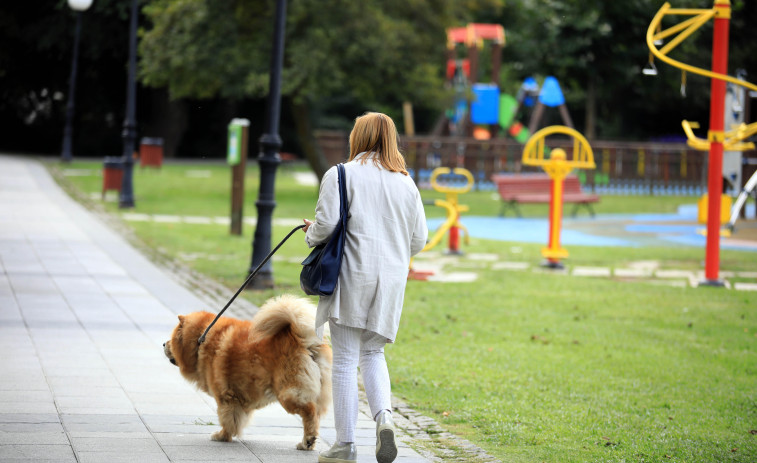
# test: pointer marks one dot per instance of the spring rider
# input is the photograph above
(452, 222)
(557, 166)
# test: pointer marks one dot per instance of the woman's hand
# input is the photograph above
(308, 223)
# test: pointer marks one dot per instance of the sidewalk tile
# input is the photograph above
(35, 453)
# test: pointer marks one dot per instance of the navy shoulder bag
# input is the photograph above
(320, 270)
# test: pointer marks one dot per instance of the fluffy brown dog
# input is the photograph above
(246, 365)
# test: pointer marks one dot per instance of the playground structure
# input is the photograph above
(491, 112)
(452, 224)
(453, 208)
(749, 188)
(460, 72)
(557, 166)
(718, 139)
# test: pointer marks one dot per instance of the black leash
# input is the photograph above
(244, 285)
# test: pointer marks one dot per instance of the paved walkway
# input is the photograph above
(83, 317)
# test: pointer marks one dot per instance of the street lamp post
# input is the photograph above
(78, 6)
(269, 159)
(129, 133)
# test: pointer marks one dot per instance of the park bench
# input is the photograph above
(517, 189)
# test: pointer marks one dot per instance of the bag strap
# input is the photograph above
(342, 193)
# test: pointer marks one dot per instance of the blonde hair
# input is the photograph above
(376, 132)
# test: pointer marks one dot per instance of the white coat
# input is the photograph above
(386, 226)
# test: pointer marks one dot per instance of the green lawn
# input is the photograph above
(531, 366)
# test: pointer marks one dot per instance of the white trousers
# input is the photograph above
(355, 347)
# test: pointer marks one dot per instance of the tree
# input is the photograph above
(371, 54)
(597, 49)
(36, 41)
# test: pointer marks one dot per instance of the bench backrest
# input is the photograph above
(511, 185)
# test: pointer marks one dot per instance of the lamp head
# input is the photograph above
(79, 5)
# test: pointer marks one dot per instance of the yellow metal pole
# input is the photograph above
(557, 169)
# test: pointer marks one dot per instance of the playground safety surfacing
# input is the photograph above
(631, 230)
(634, 230)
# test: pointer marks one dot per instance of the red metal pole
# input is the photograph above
(716, 137)
(454, 240)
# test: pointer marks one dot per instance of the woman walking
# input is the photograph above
(386, 226)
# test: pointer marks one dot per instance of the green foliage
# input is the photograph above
(198, 48)
(379, 53)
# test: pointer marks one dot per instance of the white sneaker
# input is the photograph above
(386, 447)
(339, 453)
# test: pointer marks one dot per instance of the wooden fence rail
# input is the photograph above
(622, 167)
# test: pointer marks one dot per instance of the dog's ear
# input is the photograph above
(181, 319)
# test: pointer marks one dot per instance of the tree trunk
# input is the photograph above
(304, 128)
(168, 119)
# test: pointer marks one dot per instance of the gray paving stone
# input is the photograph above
(102, 422)
(144, 434)
(29, 418)
(33, 438)
(176, 439)
(32, 284)
(116, 457)
(116, 444)
(232, 451)
(28, 407)
(93, 383)
(31, 427)
(93, 400)
(35, 460)
(26, 396)
(44, 302)
(38, 452)
(284, 447)
(152, 409)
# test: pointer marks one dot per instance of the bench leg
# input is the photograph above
(574, 213)
(512, 205)
(591, 209)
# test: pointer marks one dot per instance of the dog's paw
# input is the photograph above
(221, 436)
(308, 443)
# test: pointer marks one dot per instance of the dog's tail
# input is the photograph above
(295, 316)
(287, 312)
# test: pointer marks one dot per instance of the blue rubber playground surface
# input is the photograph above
(631, 230)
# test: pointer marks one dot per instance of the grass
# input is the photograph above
(531, 366)
(553, 368)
